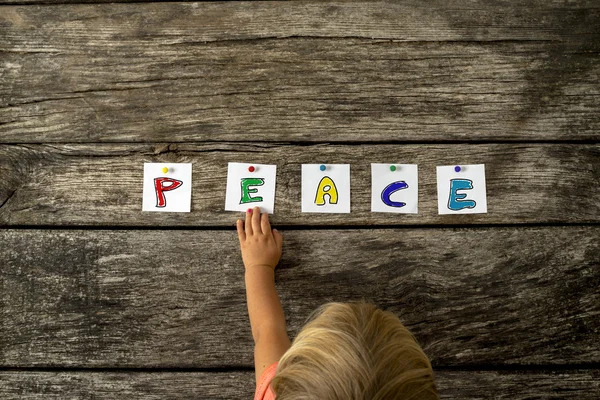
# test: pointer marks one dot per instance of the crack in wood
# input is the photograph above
(10, 195)
(374, 39)
(9, 105)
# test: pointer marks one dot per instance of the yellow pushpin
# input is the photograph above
(165, 170)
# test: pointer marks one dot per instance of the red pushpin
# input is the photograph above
(251, 168)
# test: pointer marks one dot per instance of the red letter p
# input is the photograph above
(160, 188)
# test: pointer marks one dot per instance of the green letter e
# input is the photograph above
(247, 190)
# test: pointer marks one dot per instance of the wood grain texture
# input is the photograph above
(131, 386)
(502, 19)
(577, 384)
(472, 297)
(303, 72)
(101, 185)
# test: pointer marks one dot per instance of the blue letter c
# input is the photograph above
(389, 190)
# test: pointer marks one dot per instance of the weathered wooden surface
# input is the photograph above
(102, 184)
(476, 296)
(304, 72)
(385, 73)
(239, 385)
(455, 20)
(148, 386)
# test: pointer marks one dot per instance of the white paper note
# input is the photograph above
(326, 191)
(394, 191)
(461, 192)
(169, 191)
(246, 189)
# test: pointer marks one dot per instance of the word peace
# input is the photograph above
(324, 188)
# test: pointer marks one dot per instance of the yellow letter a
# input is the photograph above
(326, 187)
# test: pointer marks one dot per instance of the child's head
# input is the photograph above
(354, 351)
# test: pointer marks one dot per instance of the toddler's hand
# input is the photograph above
(260, 245)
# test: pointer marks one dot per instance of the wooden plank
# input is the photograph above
(127, 385)
(472, 297)
(156, 23)
(102, 184)
(304, 72)
(477, 18)
(20, 385)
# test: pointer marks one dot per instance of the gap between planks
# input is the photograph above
(309, 143)
(454, 368)
(294, 227)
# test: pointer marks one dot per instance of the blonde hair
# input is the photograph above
(354, 351)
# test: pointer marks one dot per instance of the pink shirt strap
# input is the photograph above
(263, 388)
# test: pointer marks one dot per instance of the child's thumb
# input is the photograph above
(278, 238)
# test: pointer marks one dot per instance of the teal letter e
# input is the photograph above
(455, 201)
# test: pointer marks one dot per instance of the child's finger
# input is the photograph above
(265, 226)
(240, 230)
(256, 220)
(248, 222)
(278, 238)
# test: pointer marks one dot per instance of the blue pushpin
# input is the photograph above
(322, 167)
(457, 169)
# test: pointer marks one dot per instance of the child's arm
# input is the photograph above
(261, 250)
